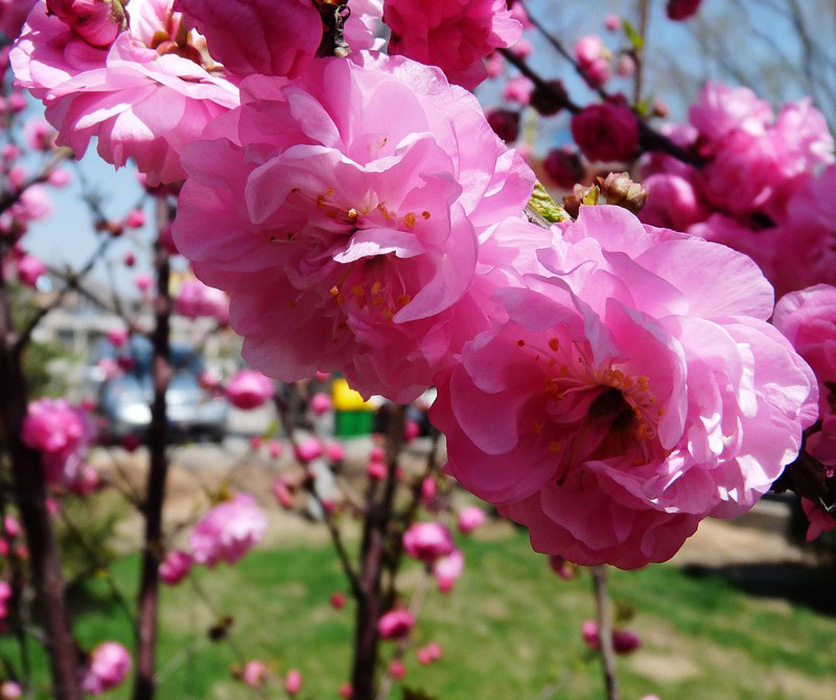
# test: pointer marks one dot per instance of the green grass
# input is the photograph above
(509, 630)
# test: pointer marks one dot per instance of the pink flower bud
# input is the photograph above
(427, 541)
(11, 526)
(143, 282)
(335, 450)
(320, 403)
(117, 337)
(308, 449)
(275, 449)
(337, 600)
(411, 431)
(283, 494)
(249, 389)
(612, 23)
(470, 518)
(293, 682)
(108, 665)
(518, 89)
(679, 10)
(593, 59)
(376, 470)
(175, 567)
(505, 123)
(564, 167)
(397, 670)
(378, 454)
(447, 570)
(135, 219)
(346, 691)
(429, 489)
(59, 177)
(130, 443)
(396, 624)
(29, 270)
(129, 259)
(624, 642)
(254, 674)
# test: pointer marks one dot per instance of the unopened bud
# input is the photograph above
(620, 190)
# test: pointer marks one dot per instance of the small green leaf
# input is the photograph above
(636, 41)
(545, 206)
(591, 197)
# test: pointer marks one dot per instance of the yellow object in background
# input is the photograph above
(346, 399)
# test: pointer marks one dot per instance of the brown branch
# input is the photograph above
(144, 684)
(30, 492)
(604, 620)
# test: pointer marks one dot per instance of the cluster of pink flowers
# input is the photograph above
(762, 188)
(196, 300)
(607, 384)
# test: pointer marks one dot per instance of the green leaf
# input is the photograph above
(636, 41)
(545, 206)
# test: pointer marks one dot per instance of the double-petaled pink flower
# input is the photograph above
(342, 212)
(634, 389)
(228, 531)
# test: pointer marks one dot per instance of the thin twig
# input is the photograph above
(604, 619)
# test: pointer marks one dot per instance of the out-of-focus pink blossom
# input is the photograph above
(429, 490)
(52, 427)
(293, 682)
(397, 670)
(135, 218)
(249, 389)
(518, 89)
(429, 653)
(623, 641)
(308, 449)
(228, 531)
(411, 430)
(362, 235)
(255, 674)
(448, 569)
(335, 450)
(470, 518)
(107, 666)
(38, 134)
(673, 202)
(346, 691)
(606, 132)
(275, 449)
(59, 177)
(175, 567)
(270, 37)
(455, 36)
(593, 59)
(396, 624)
(143, 282)
(117, 337)
(9, 690)
(283, 494)
(428, 542)
(721, 110)
(337, 600)
(808, 319)
(320, 403)
(630, 394)
(612, 23)
(29, 270)
(625, 66)
(376, 470)
(820, 520)
(197, 300)
(679, 10)
(564, 167)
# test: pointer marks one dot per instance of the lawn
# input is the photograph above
(510, 631)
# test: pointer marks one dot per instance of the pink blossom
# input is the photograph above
(38, 134)
(411, 430)
(175, 567)
(320, 403)
(337, 600)
(454, 35)
(283, 494)
(9, 690)
(630, 394)
(624, 642)
(376, 470)
(107, 666)
(117, 337)
(346, 691)
(612, 23)
(275, 449)
(335, 450)
(52, 427)
(518, 89)
(362, 25)
(721, 109)
(397, 670)
(143, 282)
(293, 682)
(308, 449)
(361, 233)
(135, 218)
(564, 168)
(679, 10)
(470, 518)
(820, 520)
(12, 16)
(141, 102)
(11, 526)
(271, 37)
(808, 319)
(429, 490)
(197, 300)
(448, 569)
(249, 389)
(429, 653)
(593, 59)
(674, 202)
(29, 270)
(255, 674)
(97, 22)
(396, 624)
(606, 132)
(428, 542)
(228, 531)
